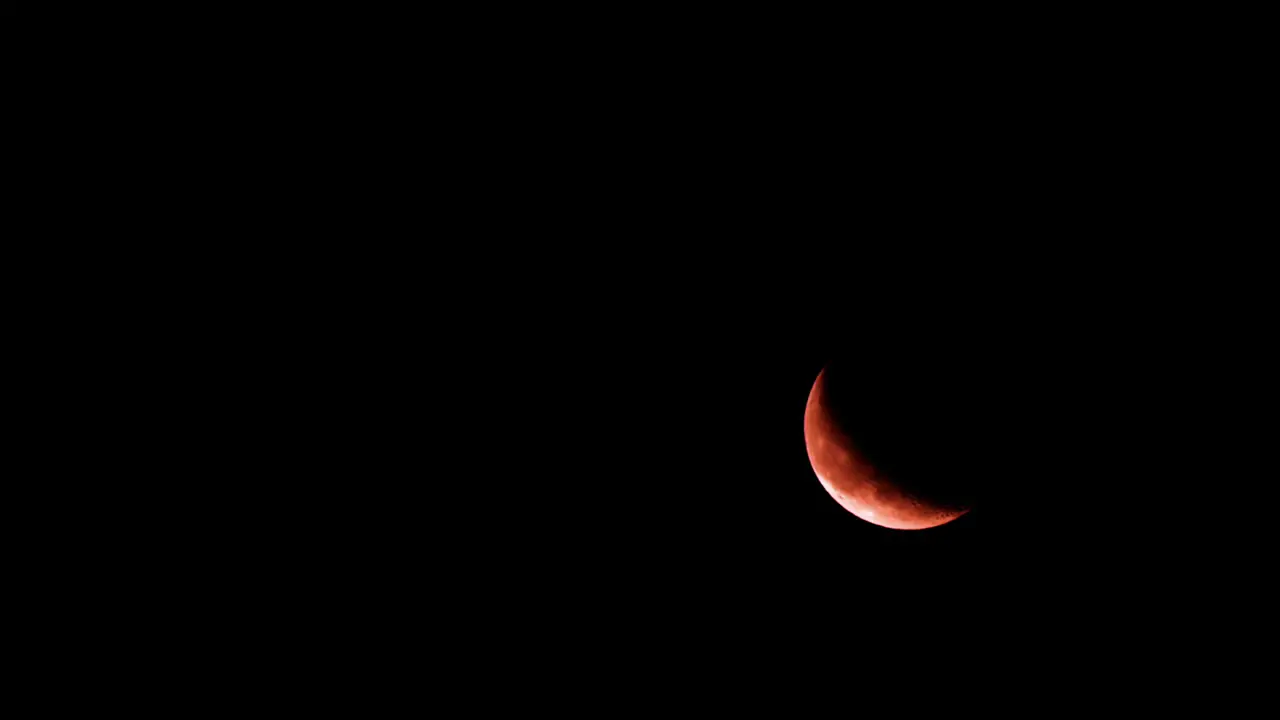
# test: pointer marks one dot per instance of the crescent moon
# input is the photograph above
(854, 482)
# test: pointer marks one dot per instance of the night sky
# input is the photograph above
(524, 357)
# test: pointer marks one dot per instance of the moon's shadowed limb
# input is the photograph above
(889, 456)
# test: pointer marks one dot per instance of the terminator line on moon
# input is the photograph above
(857, 484)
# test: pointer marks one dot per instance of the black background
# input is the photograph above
(499, 350)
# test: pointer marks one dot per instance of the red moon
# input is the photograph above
(854, 482)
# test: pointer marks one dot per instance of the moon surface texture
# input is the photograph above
(854, 481)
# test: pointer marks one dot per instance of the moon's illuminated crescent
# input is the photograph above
(854, 482)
